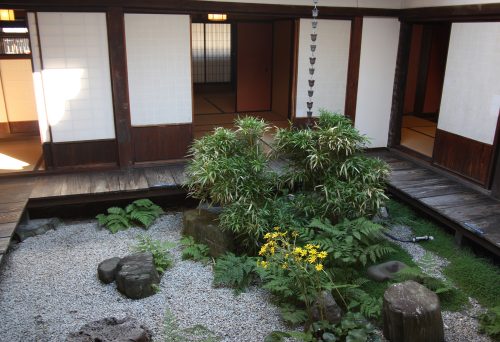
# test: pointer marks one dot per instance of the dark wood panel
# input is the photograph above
(4, 128)
(154, 143)
(119, 84)
(83, 153)
(353, 68)
(464, 156)
(24, 127)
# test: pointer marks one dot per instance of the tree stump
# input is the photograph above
(412, 313)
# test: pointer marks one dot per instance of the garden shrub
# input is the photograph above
(490, 323)
(159, 249)
(141, 212)
(236, 272)
(194, 251)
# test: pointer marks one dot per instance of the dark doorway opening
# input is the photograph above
(424, 86)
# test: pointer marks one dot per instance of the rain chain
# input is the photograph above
(312, 61)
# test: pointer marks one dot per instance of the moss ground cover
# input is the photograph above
(477, 277)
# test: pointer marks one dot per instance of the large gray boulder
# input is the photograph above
(136, 275)
(111, 330)
(326, 308)
(36, 227)
(412, 313)
(106, 270)
(203, 225)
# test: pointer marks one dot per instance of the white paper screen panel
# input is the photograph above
(76, 76)
(471, 90)
(43, 123)
(159, 68)
(379, 48)
(332, 54)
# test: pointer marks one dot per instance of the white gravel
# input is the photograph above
(49, 288)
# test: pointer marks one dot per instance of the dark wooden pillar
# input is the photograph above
(351, 94)
(398, 92)
(119, 84)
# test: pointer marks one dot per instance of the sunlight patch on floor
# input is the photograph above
(10, 163)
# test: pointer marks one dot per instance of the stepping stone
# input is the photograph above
(136, 275)
(106, 270)
(111, 330)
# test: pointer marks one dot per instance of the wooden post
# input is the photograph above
(119, 83)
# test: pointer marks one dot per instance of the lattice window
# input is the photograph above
(211, 53)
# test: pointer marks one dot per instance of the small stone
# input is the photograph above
(111, 329)
(106, 270)
(382, 212)
(136, 275)
(36, 227)
(326, 303)
(385, 271)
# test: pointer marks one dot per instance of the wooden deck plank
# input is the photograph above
(48, 186)
(422, 190)
(179, 174)
(158, 177)
(456, 200)
(11, 216)
(7, 229)
(132, 180)
(4, 244)
(12, 206)
(76, 184)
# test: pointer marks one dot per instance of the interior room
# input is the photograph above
(20, 146)
(424, 86)
(241, 67)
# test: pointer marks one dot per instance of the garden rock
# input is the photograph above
(107, 270)
(36, 227)
(136, 275)
(332, 312)
(412, 313)
(202, 224)
(385, 271)
(111, 329)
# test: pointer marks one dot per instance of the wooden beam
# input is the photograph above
(119, 84)
(479, 12)
(398, 91)
(193, 6)
(353, 68)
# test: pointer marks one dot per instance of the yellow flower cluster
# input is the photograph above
(277, 241)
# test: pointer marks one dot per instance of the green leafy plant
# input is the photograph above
(116, 220)
(143, 211)
(326, 164)
(349, 242)
(194, 251)
(159, 249)
(230, 168)
(490, 323)
(197, 333)
(295, 270)
(234, 271)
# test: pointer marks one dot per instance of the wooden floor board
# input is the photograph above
(159, 177)
(7, 229)
(469, 212)
(4, 244)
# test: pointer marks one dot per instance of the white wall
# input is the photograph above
(379, 47)
(76, 76)
(471, 90)
(43, 122)
(332, 54)
(159, 68)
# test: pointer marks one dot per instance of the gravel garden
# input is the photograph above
(314, 251)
